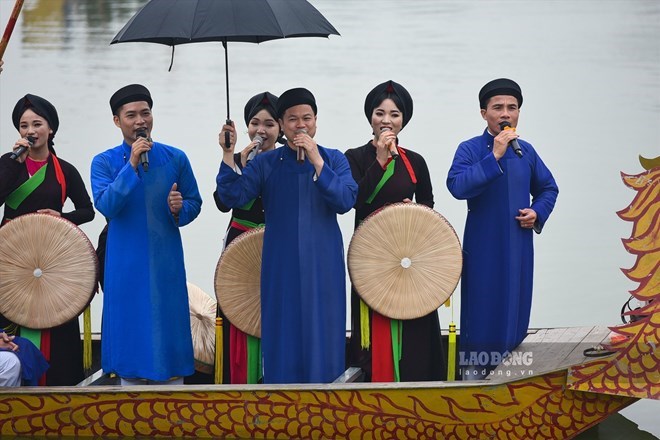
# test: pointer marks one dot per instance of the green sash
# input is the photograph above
(248, 205)
(253, 359)
(389, 172)
(17, 197)
(33, 335)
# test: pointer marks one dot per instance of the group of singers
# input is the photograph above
(146, 190)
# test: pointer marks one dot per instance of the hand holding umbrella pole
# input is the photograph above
(228, 121)
(175, 22)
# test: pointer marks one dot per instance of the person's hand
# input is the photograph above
(527, 218)
(307, 143)
(502, 142)
(49, 212)
(141, 145)
(231, 129)
(175, 200)
(246, 152)
(384, 144)
(21, 143)
(6, 342)
(303, 140)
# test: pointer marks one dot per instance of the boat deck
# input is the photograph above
(547, 350)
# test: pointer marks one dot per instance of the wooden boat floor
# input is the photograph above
(548, 350)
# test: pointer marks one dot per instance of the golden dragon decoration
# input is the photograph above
(634, 369)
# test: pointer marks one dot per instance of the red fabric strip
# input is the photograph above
(382, 364)
(240, 227)
(60, 177)
(409, 167)
(238, 355)
(45, 350)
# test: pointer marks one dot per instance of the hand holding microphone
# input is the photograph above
(15, 155)
(506, 125)
(258, 142)
(144, 156)
(390, 144)
(301, 151)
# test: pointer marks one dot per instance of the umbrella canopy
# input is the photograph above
(174, 22)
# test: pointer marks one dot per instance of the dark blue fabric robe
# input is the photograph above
(303, 286)
(496, 285)
(33, 362)
(146, 317)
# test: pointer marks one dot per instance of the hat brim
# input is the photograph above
(48, 271)
(413, 271)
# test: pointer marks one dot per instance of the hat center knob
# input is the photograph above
(406, 262)
(37, 272)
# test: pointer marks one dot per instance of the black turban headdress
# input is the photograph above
(262, 101)
(394, 91)
(41, 107)
(130, 93)
(293, 97)
(500, 86)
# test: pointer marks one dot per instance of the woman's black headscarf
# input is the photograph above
(42, 108)
(394, 91)
(262, 101)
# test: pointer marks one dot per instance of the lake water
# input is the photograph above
(589, 71)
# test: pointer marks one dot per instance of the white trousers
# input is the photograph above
(10, 369)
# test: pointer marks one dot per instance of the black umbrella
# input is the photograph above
(174, 22)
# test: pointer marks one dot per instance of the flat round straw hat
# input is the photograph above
(238, 281)
(202, 327)
(405, 260)
(48, 270)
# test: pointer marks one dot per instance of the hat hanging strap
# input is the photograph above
(17, 197)
(389, 172)
(59, 174)
(409, 167)
(253, 359)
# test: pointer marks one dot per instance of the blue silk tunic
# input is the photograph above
(146, 316)
(303, 287)
(496, 285)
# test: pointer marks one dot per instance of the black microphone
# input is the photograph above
(393, 151)
(301, 151)
(22, 149)
(260, 143)
(144, 156)
(505, 125)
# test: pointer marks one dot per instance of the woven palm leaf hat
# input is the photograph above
(405, 260)
(48, 271)
(238, 281)
(202, 327)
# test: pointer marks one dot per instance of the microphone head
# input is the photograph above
(504, 124)
(259, 140)
(383, 129)
(141, 133)
(30, 140)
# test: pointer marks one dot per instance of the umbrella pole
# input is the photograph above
(227, 141)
